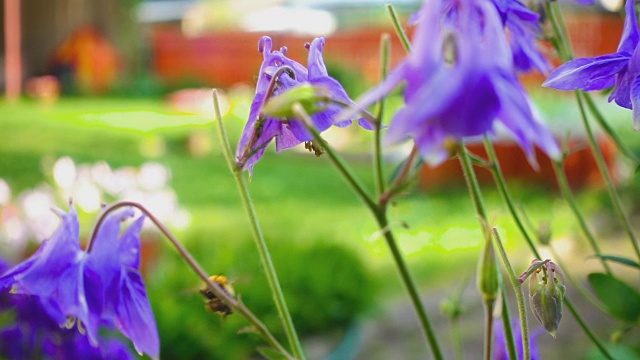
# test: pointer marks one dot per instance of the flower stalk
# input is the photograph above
(517, 288)
(261, 245)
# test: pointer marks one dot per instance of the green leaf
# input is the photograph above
(619, 259)
(622, 301)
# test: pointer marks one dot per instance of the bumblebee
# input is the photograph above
(214, 303)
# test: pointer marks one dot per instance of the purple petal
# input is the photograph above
(129, 245)
(635, 100)
(630, 35)
(587, 73)
(621, 93)
(315, 63)
(134, 316)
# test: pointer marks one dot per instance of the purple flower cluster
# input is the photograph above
(100, 288)
(620, 69)
(260, 130)
(461, 82)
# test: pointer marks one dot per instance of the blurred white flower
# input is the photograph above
(153, 176)
(5, 193)
(64, 172)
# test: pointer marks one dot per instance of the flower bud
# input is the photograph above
(488, 273)
(312, 98)
(546, 292)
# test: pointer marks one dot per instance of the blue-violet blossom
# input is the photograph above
(103, 287)
(620, 69)
(459, 79)
(260, 130)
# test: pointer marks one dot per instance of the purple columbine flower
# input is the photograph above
(260, 130)
(32, 333)
(620, 69)
(459, 79)
(97, 288)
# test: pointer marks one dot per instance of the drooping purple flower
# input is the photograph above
(502, 353)
(620, 69)
(460, 79)
(33, 333)
(94, 289)
(260, 130)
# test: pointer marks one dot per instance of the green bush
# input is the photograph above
(326, 287)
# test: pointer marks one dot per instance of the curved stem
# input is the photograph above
(604, 170)
(568, 195)
(261, 245)
(383, 224)
(191, 261)
(517, 288)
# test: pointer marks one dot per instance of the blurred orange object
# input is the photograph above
(94, 62)
(43, 88)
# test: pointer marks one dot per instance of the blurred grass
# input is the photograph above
(302, 204)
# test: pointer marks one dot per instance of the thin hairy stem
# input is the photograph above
(517, 288)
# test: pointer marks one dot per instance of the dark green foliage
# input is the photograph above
(622, 301)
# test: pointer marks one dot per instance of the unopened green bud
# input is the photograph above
(488, 273)
(544, 233)
(546, 292)
(312, 98)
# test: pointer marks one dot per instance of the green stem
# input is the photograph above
(604, 170)
(383, 224)
(456, 338)
(506, 324)
(404, 39)
(568, 195)
(565, 49)
(488, 328)
(587, 330)
(517, 288)
(473, 186)
(378, 175)
(506, 196)
(261, 245)
(624, 149)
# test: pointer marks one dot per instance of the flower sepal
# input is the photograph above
(314, 99)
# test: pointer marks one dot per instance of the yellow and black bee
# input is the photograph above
(213, 303)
